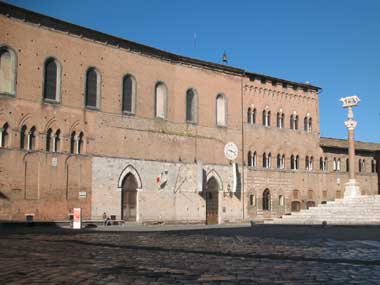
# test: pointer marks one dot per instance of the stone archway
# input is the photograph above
(212, 201)
(129, 198)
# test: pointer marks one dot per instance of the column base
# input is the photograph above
(352, 189)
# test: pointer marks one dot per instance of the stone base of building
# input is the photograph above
(352, 189)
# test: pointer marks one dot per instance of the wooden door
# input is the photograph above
(212, 201)
(129, 198)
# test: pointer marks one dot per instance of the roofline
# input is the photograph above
(60, 25)
(375, 145)
(275, 79)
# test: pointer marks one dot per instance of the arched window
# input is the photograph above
(266, 200)
(254, 159)
(278, 161)
(291, 121)
(32, 138)
(338, 164)
(296, 122)
(253, 118)
(373, 166)
(361, 165)
(161, 100)
(129, 94)
(250, 159)
(23, 142)
(267, 160)
(280, 120)
(264, 160)
(292, 162)
(309, 126)
(4, 135)
(92, 88)
(297, 162)
(334, 164)
(266, 118)
(305, 123)
(7, 71)
(48, 139)
(249, 116)
(80, 143)
(52, 82)
(57, 141)
(221, 110)
(72, 142)
(311, 162)
(347, 165)
(321, 165)
(191, 106)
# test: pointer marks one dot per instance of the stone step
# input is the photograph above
(361, 210)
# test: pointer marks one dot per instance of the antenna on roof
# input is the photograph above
(224, 58)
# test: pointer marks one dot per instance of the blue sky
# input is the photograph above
(332, 44)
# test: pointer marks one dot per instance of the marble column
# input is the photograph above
(352, 188)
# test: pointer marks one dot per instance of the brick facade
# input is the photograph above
(49, 184)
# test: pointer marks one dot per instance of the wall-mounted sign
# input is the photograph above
(54, 162)
(77, 218)
(82, 194)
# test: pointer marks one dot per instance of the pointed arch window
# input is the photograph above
(129, 94)
(23, 140)
(92, 88)
(323, 164)
(252, 157)
(73, 139)
(251, 116)
(280, 120)
(266, 118)
(32, 139)
(57, 141)
(161, 100)
(7, 71)
(221, 110)
(267, 160)
(4, 135)
(52, 80)
(334, 164)
(361, 165)
(373, 166)
(281, 161)
(191, 106)
(80, 143)
(48, 139)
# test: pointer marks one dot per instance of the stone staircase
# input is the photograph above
(362, 210)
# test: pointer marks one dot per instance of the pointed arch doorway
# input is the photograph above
(129, 198)
(212, 201)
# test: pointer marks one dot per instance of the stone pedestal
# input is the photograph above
(352, 189)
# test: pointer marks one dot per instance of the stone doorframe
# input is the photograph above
(213, 174)
(131, 170)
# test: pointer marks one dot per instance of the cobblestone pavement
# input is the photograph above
(262, 254)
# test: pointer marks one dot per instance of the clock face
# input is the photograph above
(231, 151)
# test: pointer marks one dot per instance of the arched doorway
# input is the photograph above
(212, 201)
(129, 198)
(296, 206)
